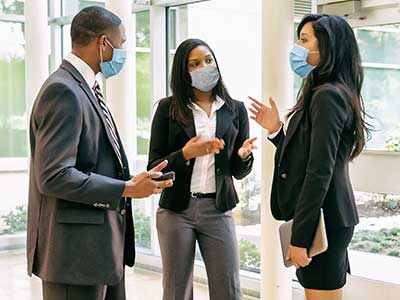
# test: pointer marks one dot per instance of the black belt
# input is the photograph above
(201, 195)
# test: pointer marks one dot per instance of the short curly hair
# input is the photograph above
(92, 22)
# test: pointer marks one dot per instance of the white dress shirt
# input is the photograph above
(83, 68)
(284, 125)
(203, 176)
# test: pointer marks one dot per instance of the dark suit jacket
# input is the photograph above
(311, 166)
(168, 137)
(79, 227)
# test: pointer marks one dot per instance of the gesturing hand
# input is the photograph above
(266, 116)
(195, 148)
(247, 148)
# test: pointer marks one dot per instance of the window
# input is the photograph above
(12, 7)
(143, 82)
(379, 49)
(236, 41)
(13, 118)
(71, 7)
(143, 209)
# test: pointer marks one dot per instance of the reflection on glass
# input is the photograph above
(13, 118)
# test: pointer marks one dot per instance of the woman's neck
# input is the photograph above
(202, 97)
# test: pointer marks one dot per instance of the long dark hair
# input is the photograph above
(181, 83)
(340, 64)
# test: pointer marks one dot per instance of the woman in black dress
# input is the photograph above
(324, 131)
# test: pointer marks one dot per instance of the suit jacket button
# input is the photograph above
(284, 176)
(123, 211)
(120, 174)
(219, 171)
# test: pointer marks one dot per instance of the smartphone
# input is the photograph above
(166, 176)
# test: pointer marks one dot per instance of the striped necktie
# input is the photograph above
(108, 117)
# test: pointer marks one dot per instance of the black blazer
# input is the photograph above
(311, 166)
(80, 230)
(168, 137)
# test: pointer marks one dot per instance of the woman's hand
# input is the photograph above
(267, 117)
(298, 256)
(195, 148)
(247, 148)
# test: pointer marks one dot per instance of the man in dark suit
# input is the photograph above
(80, 225)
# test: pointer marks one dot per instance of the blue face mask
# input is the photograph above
(298, 61)
(114, 66)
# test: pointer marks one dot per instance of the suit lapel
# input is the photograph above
(190, 129)
(294, 123)
(82, 83)
(225, 118)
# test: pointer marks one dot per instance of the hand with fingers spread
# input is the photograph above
(298, 256)
(266, 116)
(247, 147)
(143, 185)
(196, 148)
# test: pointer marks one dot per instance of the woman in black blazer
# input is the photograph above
(324, 132)
(203, 133)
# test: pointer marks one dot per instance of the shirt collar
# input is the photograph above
(216, 105)
(83, 68)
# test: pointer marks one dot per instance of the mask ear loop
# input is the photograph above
(101, 54)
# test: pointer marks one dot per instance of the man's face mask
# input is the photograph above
(115, 65)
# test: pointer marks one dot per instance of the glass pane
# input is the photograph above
(143, 105)
(13, 118)
(142, 217)
(236, 41)
(66, 39)
(377, 237)
(143, 29)
(71, 7)
(380, 44)
(379, 49)
(12, 7)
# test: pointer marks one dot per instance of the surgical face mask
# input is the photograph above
(114, 66)
(298, 61)
(205, 79)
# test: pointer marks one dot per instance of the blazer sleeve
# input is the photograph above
(278, 138)
(58, 121)
(328, 116)
(159, 143)
(241, 168)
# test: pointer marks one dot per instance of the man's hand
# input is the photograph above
(143, 185)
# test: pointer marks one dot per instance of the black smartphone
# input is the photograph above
(166, 176)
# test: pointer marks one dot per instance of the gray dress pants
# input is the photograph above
(216, 235)
(59, 291)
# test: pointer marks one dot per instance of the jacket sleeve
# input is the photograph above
(58, 120)
(328, 116)
(159, 143)
(278, 138)
(241, 168)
